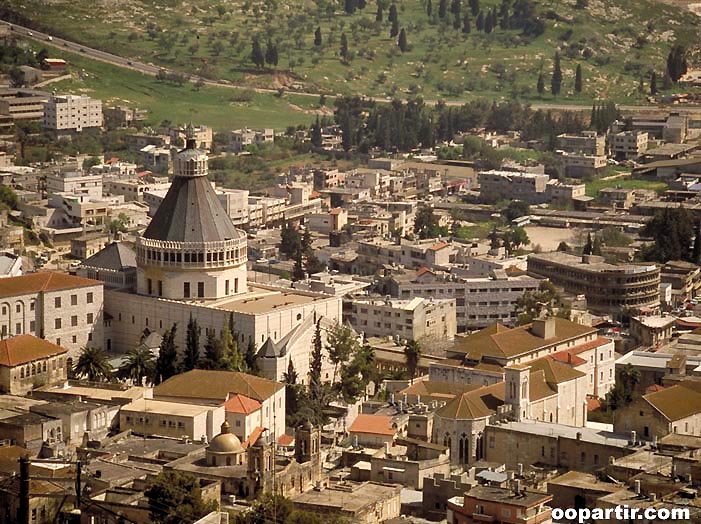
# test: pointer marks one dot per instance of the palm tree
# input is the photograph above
(138, 364)
(412, 352)
(93, 364)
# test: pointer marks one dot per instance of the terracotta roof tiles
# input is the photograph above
(373, 425)
(44, 281)
(241, 404)
(26, 348)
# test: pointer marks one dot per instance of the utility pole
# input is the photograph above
(23, 511)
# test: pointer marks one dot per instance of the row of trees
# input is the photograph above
(408, 125)
(141, 365)
(522, 15)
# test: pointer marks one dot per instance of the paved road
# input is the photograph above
(152, 70)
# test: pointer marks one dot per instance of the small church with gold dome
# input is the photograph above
(246, 469)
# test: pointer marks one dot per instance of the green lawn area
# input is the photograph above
(212, 106)
(597, 185)
(616, 42)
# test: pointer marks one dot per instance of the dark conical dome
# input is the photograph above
(191, 211)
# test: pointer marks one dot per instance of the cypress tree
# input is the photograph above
(479, 23)
(191, 358)
(317, 37)
(475, 7)
(344, 45)
(429, 8)
(578, 79)
(442, 8)
(316, 133)
(350, 6)
(653, 83)
(556, 82)
(166, 364)
(541, 83)
(488, 24)
(212, 353)
(379, 14)
(393, 13)
(402, 41)
(315, 385)
(394, 30)
(257, 56)
(466, 25)
(251, 358)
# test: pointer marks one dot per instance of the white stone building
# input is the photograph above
(72, 113)
(63, 309)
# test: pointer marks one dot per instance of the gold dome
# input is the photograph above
(225, 442)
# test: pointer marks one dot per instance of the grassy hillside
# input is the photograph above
(616, 42)
(219, 107)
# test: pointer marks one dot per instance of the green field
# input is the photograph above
(617, 42)
(595, 186)
(218, 107)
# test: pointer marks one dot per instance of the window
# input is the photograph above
(57, 302)
(200, 289)
(160, 288)
(186, 289)
(149, 286)
(226, 287)
(74, 339)
(89, 298)
(32, 325)
(74, 300)
(18, 309)
(89, 318)
(57, 323)
(32, 305)
(74, 320)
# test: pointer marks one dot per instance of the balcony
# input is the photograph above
(481, 517)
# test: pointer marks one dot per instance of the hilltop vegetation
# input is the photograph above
(388, 48)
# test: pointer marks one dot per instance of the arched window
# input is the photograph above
(21, 373)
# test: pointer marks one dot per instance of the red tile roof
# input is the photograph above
(593, 404)
(253, 437)
(438, 246)
(423, 271)
(599, 341)
(46, 281)
(26, 348)
(373, 425)
(285, 440)
(566, 357)
(242, 404)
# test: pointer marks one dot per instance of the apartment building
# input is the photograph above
(513, 185)
(23, 104)
(579, 165)
(242, 138)
(328, 178)
(74, 182)
(134, 189)
(586, 143)
(202, 135)
(63, 309)
(72, 113)
(564, 194)
(609, 288)
(626, 145)
(479, 300)
(413, 319)
(373, 254)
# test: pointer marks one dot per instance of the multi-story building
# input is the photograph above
(63, 309)
(328, 178)
(609, 288)
(586, 143)
(133, 189)
(480, 300)
(685, 278)
(72, 113)
(74, 182)
(242, 138)
(373, 254)
(627, 145)
(563, 194)
(579, 165)
(496, 504)
(201, 134)
(124, 116)
(487, 353)
(513, 185)
(23, 104)
(414, 319)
